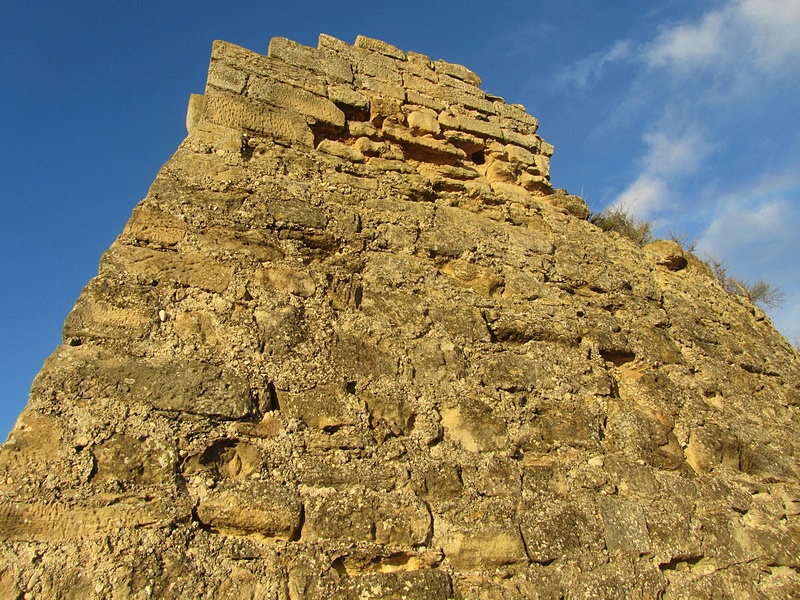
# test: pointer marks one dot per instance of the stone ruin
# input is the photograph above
(353, 344)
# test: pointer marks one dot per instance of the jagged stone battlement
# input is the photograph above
(376, 105)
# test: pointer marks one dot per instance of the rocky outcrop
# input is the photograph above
(353, 344)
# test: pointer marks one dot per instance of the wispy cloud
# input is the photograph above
(737, 229)
(757, 226)
(591, 69)
(645, 196)
(676, 153)
(691, 45)
(775, 30)
(713, 101)
(670, 155)
(713, 63)
(754, 233)
(750, 34)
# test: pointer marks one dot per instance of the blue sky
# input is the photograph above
(686, 112)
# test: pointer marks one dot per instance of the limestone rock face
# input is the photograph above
(353, 344)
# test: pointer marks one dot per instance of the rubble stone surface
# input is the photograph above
(353, 344)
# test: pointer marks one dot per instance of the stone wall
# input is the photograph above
(352, 345)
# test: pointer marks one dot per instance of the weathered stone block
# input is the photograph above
(328, 42)
(188, 386)
(537, 185)
(509, 371)
(415, 97)
(474, 425)
(530, 142)
(456, 86)
(478, 540)
(225, 77)
(666, 253)
(195, 111)
(385, 150)
(261, 508)
(154, 227)
(225, 459)
(283, 95)
(112, 311)
(424, 145)
(384, 164)
(379, 46)
(423, 122)
(459, 93)
(132, 461)
(334, 67)
(519, 155)
(560, 530)
(252, 63)
(444, 173)
(571, 205)
(419, 65)
(399, 309)
(190, 268)
(286, 279)
(437, 482)
(458, 71)
(516, 113)
(470, 125)
(495, 476)
(398, 519)
(342, 95)
(467, 323)
(500, 171)
(483, 280)
(57, 522)
(409, 585)
(383, 88)
(258, 243)
(296, 213)
(422, 85)
(323, 406)
(625, 527)
(341, 151)
(246, 115)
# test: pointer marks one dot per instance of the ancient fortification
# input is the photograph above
(353, 344)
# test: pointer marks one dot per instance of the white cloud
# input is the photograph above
(690, 45)
(731, 71)
(668, 157)
(757, 234)
(590, 69)
(757, 240)
(775, 30)
(645, 196)
(754, 35)
(674, 155)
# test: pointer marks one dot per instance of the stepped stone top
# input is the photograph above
(376, 105)
(352, 344)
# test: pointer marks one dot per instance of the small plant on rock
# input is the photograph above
(620, 220)
(684, 241)
(761, 292)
